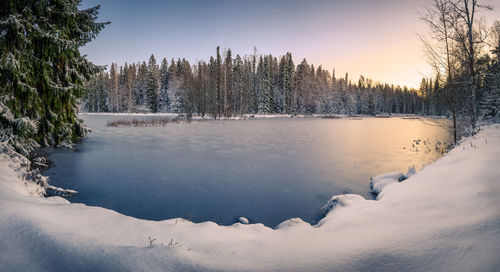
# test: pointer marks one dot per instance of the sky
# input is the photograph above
(374, 38)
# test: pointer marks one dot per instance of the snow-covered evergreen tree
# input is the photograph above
(113, 89)
(261, 85)
(211, 89)
(141, 84)
(302, 87)
(238, 86)
(130, 85)
(490, 106)
(153, 84)
(174, 88)
(187, 90)
(41, 69)
(228, 84)
(163, 96)
(218, 83)
(265, 94)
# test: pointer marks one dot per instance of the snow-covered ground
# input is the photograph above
(444, 218)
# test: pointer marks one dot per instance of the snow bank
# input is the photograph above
(380, 182)
(244, 220)
(444, 218)
(342, 201)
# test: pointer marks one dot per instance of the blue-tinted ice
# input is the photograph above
(265, 170)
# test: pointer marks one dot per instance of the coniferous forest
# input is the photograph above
(233, 85)
(230, 85)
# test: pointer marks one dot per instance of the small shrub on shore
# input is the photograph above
(153, 122)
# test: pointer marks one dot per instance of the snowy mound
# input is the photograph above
(445, 218)
(342, 201)
(244, 220)
(379, 182)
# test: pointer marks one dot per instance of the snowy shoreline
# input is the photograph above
(446, 217)
(260, 116)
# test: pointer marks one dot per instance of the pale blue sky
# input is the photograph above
(374, 38)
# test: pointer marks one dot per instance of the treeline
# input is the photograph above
(465, 55)
(228, 86)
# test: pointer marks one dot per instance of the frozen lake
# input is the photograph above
(268, 170)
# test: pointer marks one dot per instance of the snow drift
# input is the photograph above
(444, 218)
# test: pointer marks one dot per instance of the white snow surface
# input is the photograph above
(244, 220)
(380, 182)
(444, 218)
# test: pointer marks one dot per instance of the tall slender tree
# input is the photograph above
(153, 84)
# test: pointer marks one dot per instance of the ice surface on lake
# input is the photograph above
(265, 170)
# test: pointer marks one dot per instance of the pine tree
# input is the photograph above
(201, 85)
(123, 92)
(175, 96)
(186, 90)
(238, 85)
(228, 84)
(130, 79)
(280, 87)
(41, 69)
(490, 106)
(153, 84)
(255, 92)
(261, 85)
(274, 77)
(423, 90)
(140, 83)
(212, 89)
(113, 88)
(302, 85)
(288, 83)
(163, 96)
(102, 104)
(218, 84)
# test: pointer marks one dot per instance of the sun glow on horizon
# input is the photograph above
(377, 40)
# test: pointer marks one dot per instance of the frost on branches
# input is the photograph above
(41, 69)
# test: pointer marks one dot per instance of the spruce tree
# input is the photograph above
(153, 84)
(228, 83)
(102, 104)
(261, 85)
(41, 69)
(186, 90)
(218, 84)
(131, 77)
(238, 85)
(268, 86)
(175, 96)
(163, 96)
(140, 83)
(113, 88)
(212, 89)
